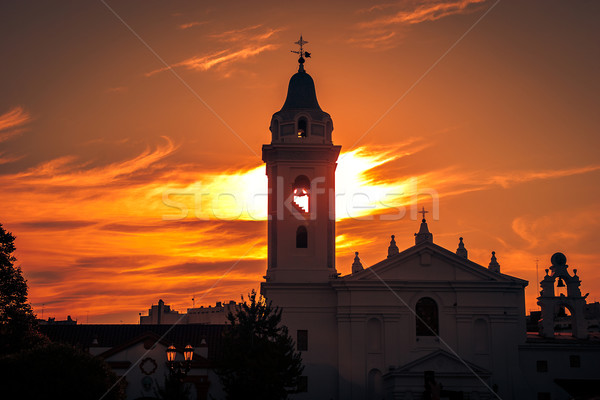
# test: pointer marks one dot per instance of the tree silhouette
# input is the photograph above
(58, 371)
(259, 358)
(18, 326)
(173, 389)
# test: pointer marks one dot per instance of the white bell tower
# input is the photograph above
(301, 162)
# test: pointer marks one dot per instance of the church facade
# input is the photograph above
(422, 320)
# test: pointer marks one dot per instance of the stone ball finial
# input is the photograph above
(393, 236)
(356, 253)
(558, 259)
(493, 253)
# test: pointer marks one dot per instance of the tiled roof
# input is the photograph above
(115, 335)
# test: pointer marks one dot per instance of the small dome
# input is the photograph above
(558, 259)
(301, 93)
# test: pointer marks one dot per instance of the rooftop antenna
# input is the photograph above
(301, 53)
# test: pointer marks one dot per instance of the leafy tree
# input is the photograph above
(18, 326)
(57, 371)
(259, 358)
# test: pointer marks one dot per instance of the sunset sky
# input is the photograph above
(111, 109)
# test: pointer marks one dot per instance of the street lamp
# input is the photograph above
(179, 369)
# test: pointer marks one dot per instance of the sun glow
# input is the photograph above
(242, 195)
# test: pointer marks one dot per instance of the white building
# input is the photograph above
(423, 313)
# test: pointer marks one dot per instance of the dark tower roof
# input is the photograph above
(301, 93)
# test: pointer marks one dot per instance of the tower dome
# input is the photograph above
(301, 93)
(301, 119)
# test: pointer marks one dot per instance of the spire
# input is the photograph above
(424, 235)
(461, 251)
(494, 266)
(392, 249)
(356, 265)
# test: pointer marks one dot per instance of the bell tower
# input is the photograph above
(300, 163)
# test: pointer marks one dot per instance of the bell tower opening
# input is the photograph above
(301, 194)
(302, 128)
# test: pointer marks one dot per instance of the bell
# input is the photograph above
(560, 282)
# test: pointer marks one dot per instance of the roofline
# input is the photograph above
(444, 252)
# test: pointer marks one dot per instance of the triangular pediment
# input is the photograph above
(429, 262)
(441, 361)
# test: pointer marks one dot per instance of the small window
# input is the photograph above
(301, 238)
(542, 366)
(302, 340)
(574, 361)
(302, 384)
(302, 128)
(427, 323)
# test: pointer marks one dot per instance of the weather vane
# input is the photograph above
(301, 52)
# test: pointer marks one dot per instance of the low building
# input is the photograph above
(162, 313)
(138, 354)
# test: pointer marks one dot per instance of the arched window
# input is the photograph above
(301, 237)
(427, 321)
(302, 128)
(301, 190)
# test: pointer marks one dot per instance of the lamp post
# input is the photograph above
(179, 369)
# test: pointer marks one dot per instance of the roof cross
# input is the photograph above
(423, 212)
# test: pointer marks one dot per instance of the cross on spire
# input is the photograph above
(423, 212)
(301, 53)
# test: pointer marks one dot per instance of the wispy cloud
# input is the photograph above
(255, 33)
(189, 25)
(117, 89)
(381, 24)
(377, 39)
(507, 180)
(423, 11)
(11, 120)
(243, 43)
(222, 57)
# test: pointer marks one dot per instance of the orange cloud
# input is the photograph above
(12, 119)
(381, 30)
(250, 40)
(248, 34)
(205, 63)
(191, 24)
(427, 11)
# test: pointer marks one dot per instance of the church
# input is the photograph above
(423, 323)
(422, 319)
